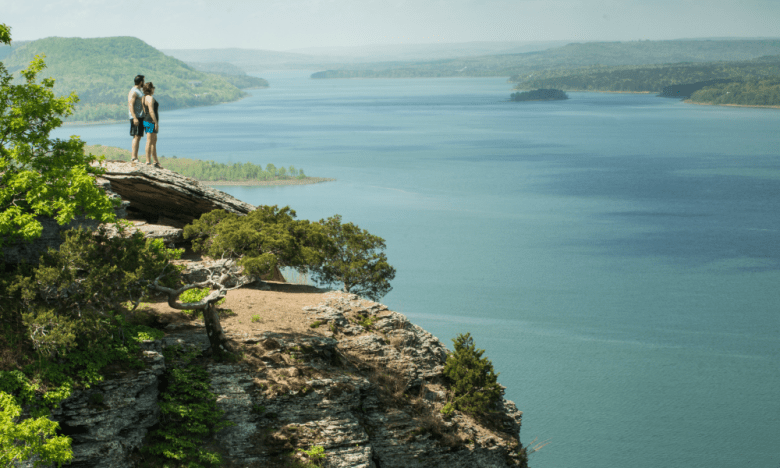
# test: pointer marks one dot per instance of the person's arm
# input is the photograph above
(150, 106)
(131, 103)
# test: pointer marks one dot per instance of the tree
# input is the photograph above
(220, 276)
(354, 259)
(474, 387)
(261, 241)
(40, 176)
(255, 244)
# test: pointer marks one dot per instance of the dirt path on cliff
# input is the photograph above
(251, 310)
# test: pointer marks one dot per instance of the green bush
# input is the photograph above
(77, 290)
(188, 410)
(473, 383)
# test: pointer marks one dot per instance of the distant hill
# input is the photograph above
(249, 60)
(434, 51)
(101, 73)
(5, 50)
(230, 73)
(567, 57)
(764, 93)
(257, 60)
(647, 78)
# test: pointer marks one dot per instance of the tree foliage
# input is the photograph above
(100, 71)
(40, 176)
(19, 441)
(647, 78)
(74, 291)
(754, 92)
(473, 382)
(355, 260)
(261, 241)
(271, 237)
(188, 410)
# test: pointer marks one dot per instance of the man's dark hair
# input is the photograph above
(138, 79)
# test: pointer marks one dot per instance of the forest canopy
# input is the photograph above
(100, 71)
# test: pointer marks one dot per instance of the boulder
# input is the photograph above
(164, 197)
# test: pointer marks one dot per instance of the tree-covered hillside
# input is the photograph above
(230, 73)
(647, 78)
(566, 57)
(101, 73)
(764, 92)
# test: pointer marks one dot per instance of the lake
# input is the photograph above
(616, 255)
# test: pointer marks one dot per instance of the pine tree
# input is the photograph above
(474, 387)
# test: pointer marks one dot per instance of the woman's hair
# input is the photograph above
(148, 87)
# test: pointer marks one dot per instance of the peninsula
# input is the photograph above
(214, 173)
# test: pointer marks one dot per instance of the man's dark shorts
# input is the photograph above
(137, 130)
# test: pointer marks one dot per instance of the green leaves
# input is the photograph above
(189, 411)
(39, 175)
(270, 237)
(34, 436)
(264, 239)
(354, 258)
(100, 71)
(474, 387)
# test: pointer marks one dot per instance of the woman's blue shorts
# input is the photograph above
(149, 127)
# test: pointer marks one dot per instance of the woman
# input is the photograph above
(151, 124)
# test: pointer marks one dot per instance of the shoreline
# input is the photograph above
(754, 106)
(598, 91)
(306, 181)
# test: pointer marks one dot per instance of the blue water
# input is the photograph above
(617, 256)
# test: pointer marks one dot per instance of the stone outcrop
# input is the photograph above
(369, 392)
(110, 420)
(160, 201)
(164, 197)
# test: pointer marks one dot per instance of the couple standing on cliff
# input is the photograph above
(142, 107)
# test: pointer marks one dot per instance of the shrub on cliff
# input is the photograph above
(75, 291)
(473, 383)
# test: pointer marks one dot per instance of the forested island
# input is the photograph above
(540, 95)
(214, 173)
(100, 72)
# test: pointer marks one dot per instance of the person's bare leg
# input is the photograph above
(153, 151)
(134, 147)
(149, 137)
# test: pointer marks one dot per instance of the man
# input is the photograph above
(136, 110)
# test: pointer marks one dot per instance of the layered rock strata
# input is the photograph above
(369, 392)
(164, 197)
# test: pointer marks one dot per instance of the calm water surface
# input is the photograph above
(616, 255)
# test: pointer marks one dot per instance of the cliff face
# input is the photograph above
(366, 385)
(368, 394)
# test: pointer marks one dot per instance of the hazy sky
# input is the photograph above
(290, 24)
